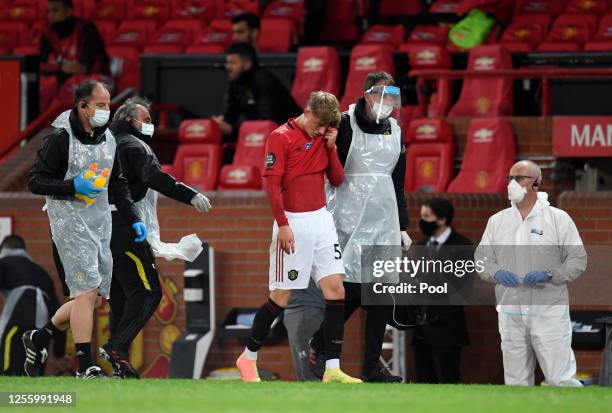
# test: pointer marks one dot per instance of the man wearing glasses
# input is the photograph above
(532, 250)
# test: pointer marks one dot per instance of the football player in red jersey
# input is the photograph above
(299, 155)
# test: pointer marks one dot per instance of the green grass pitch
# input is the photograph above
(203, 396)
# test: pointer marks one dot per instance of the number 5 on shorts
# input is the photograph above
(337, 251)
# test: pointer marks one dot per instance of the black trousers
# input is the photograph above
(436, 364)
(135, 287)
(376, 322)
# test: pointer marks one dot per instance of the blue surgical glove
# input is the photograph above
(85, 187)
(141, 231)
(535, 277)
(506, 278)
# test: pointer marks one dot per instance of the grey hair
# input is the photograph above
(128, 109)
(374, 77)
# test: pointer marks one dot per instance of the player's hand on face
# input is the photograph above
(285, 238)
(331, 134)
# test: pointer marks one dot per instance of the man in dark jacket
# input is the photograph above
(79, 216)
(30, 298)
(437, 345)
(254, 93)
(135, 287)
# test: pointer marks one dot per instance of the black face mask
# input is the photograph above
(428, 227)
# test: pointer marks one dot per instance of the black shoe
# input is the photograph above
(92, 372)
(381, 375)
(317, 360)
(122, 369)
(35, 356)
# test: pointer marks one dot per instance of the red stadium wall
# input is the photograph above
(239, 228)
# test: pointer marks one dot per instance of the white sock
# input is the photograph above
(250, 355)
(332, 364)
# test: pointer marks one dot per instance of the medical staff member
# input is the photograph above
(80, 218)
(532, 250)
(369, 208)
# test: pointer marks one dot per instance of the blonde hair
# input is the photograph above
(325, 107)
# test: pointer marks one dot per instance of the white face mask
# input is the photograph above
(100, 118)
(382, 111)
(147, 129)
(516, 192)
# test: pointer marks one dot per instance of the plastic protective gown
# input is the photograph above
(534, 321)
(364, 207)
(80, 231)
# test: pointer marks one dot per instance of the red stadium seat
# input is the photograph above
(340, 26)
(193, 131)
(245, 170)
(428, 34)
(10, 33)
(235, 7)
(429, 163)
(381, 34)
(394, 8)
(408, 113)
(83, 8)
(174, 36)
(294, 11)
(158, 10)
(575, 29)
(489, 153)
(424, 56)
(210, 42)
(114, 10)
(597, 7)
(163, 49)
(29, 40)
(444, 7)
(134, 33)
(365, 59)
(317, 68)
(198, 165)
(202, 10)
(107, 29)
(277, 35)
(550, 7)
(23, 11)
(602, 41)
(501, 10)
(125, 67)
(525, 32)
(486, 97)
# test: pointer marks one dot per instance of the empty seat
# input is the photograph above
(9, 34)
(428, 34)
(198, 165)
(486, 96)
(394, 8)
(525, 32)
(570, 32)
(83, 8)
(211, 41)
(202, 10)
(317, 68)
(245, 170)
(365, 59)
(501, 10)
(603, 38)
(597, 7)
(125, 67)
(444, 7)
(408, 113)
(158, 10)
(114, 10)
(424, 56)
(277, 35)
(134, 33)
(550, 7)
(489, 154)
(107, 29)
(24, 11)
(429, 163)
(294, 11)
(175, 35)
(199, 131)
(29, 40)
(235, 7)
(340, 22)
(382, 34)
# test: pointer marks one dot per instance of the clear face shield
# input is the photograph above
(385, 102)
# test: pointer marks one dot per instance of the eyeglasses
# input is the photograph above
(519, 178)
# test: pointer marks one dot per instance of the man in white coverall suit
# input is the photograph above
(531, 250)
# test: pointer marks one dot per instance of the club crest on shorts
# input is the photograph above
(292, 274)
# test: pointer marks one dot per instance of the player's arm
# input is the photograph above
(47, 174)
(274, 170)
(334, 171)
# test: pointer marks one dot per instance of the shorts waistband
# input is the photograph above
(307, 214)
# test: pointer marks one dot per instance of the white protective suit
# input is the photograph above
(534, 321)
